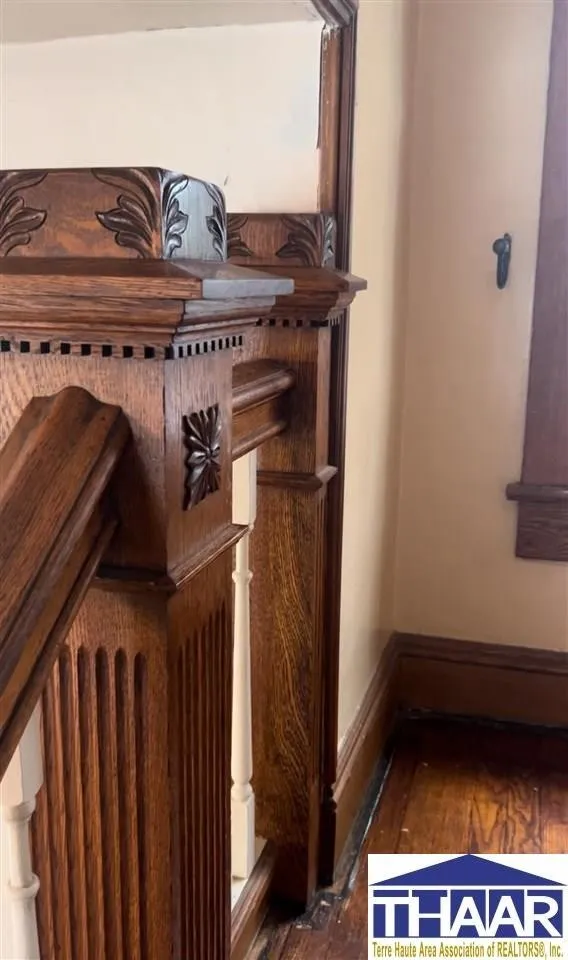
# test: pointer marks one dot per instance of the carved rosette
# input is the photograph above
(202, 440)
(17, 220)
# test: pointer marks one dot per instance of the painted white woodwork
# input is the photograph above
(242, 796)
(18, 789)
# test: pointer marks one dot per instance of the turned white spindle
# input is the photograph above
(242, 795)
(18, 789)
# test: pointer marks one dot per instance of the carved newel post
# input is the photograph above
(114, 281)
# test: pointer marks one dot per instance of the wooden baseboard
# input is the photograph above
(456, 677)
(363, 746)
(251, 909)
(483, 680)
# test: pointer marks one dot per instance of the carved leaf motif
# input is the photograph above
(17, 221)
(329, 242)
(135, 219)
(202, 440)
(176, 220)
(236, 247)
(217, 222)
(305, 241)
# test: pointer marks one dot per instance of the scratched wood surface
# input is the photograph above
(451, 788)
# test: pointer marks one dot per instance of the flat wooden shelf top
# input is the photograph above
(139, 279)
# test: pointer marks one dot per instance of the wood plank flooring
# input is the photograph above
(451, 788)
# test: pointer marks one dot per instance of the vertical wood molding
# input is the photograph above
(341, 147)
(201, 660)
(542, 494)
(101, 838)
(289, 550)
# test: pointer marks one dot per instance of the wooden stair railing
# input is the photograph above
(120, 284)
(56, 520)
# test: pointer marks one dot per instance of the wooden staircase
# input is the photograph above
(137, 362)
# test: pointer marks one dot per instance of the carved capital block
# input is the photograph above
(124, 212)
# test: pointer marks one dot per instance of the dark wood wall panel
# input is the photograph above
(288, 563)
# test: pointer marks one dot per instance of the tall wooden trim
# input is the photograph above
(342, 149)
(542, 495)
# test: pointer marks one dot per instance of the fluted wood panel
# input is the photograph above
(102, 826)
(200, 722)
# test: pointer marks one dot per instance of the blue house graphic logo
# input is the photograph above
(467, 897)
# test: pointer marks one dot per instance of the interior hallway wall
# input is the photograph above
(384, 74)
(477, 149)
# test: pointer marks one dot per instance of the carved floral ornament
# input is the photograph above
(202, 441)
(18, 220)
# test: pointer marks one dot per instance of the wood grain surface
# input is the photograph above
(55, 522)
(451, 788)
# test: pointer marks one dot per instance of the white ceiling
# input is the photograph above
(24, 21)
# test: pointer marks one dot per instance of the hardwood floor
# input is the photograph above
(451, 788)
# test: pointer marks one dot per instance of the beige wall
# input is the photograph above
(375, 358)
(219, 103)
(480, 97)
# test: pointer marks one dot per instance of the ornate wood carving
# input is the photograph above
(542, 495)
(134, 220)
(202, 440)
(148, 668)
(17, 220)
(310, 240)
(117, 212)
(217, 221)
(176, 220)
(236, 247)
(305, 240)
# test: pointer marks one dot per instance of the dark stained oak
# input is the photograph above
(451, 788)
(289, 548)
(55, 522)
(337, 122)
(259, 403)
(462, 677)
(542, 530)
(180, 279)
(100, 287)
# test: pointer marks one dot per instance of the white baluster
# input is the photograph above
(242, 795)
(18, 789)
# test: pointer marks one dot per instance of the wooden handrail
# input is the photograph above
(55, 522)
(258, 413)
